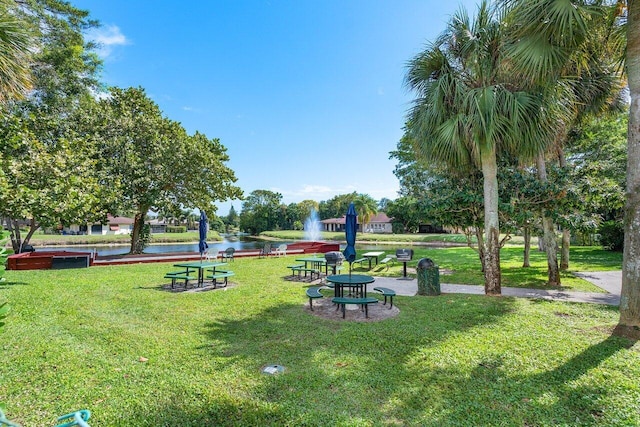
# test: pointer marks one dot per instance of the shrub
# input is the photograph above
(176, 229)
(612, 235)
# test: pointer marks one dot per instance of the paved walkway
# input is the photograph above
(610, 281)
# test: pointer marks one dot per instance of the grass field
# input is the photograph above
(112, 340)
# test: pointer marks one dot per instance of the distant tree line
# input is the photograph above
(263, 210)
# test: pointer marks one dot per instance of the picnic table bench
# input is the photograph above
(313, 293)
(302, 268)
(360, 261)
(388, 261)
(179, 275)
(386, 292)
(219, 274)
(363, 302)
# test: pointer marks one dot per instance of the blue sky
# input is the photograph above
(307, 96)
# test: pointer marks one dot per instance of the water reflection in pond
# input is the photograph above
(161, 248)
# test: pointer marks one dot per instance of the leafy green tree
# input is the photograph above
(335, 207)
(405, 211)
(555, 29)
(260, 211)
(46, 168)
(232, 220)
(46, 184)
(597, 155)
(306, 207)
(588, 81)
(292, 213)
(151, 160)
(383, 203)
(216, 224)
(469, 109)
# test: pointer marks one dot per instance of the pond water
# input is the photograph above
(112, 249)
(161, 248)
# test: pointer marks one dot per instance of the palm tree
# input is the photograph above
(366, 207)
(584, 83)
(469, 109)
(15, 77)
(555, 28)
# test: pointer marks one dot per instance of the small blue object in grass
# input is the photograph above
(79, 418)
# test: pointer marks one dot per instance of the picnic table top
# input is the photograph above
(200, 264)
(373, 254)
(311, 259)
(352, 279)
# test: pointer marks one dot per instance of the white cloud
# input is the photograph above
(107, 38)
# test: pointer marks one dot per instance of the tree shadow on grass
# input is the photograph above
(6, 284)
(489, 396)
(336, 372)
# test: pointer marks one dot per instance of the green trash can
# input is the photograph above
(428, 277)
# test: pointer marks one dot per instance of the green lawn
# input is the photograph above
(462, 266)
(74, 339)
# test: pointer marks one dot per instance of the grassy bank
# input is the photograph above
(462, 266)
(111, 340)
(368, 237)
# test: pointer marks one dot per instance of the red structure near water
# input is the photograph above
(49, 259)
(312, 247)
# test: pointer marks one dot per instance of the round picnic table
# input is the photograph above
(358, 281)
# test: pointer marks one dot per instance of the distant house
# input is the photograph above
(333, 224)
(379, 223)
(114, 225)
(158, 226)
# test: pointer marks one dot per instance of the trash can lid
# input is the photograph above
(426, 263)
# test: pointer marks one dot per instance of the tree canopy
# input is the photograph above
(151, 161)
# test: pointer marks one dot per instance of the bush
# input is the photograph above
(612, 235)
(176, 229)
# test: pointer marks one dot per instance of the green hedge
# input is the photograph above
(176, 229)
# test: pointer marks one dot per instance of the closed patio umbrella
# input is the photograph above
(202, 229)
(350, 227)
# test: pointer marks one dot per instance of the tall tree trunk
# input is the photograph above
(566, 245)
(527, 246)
(479, 249)
(492, 273)
(17, 242)
(548, 228)
(566, 233)
(14, 232)
(136, 233)
(33, 226)
(629, 324)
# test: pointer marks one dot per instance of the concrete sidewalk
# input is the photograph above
(610, 281)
